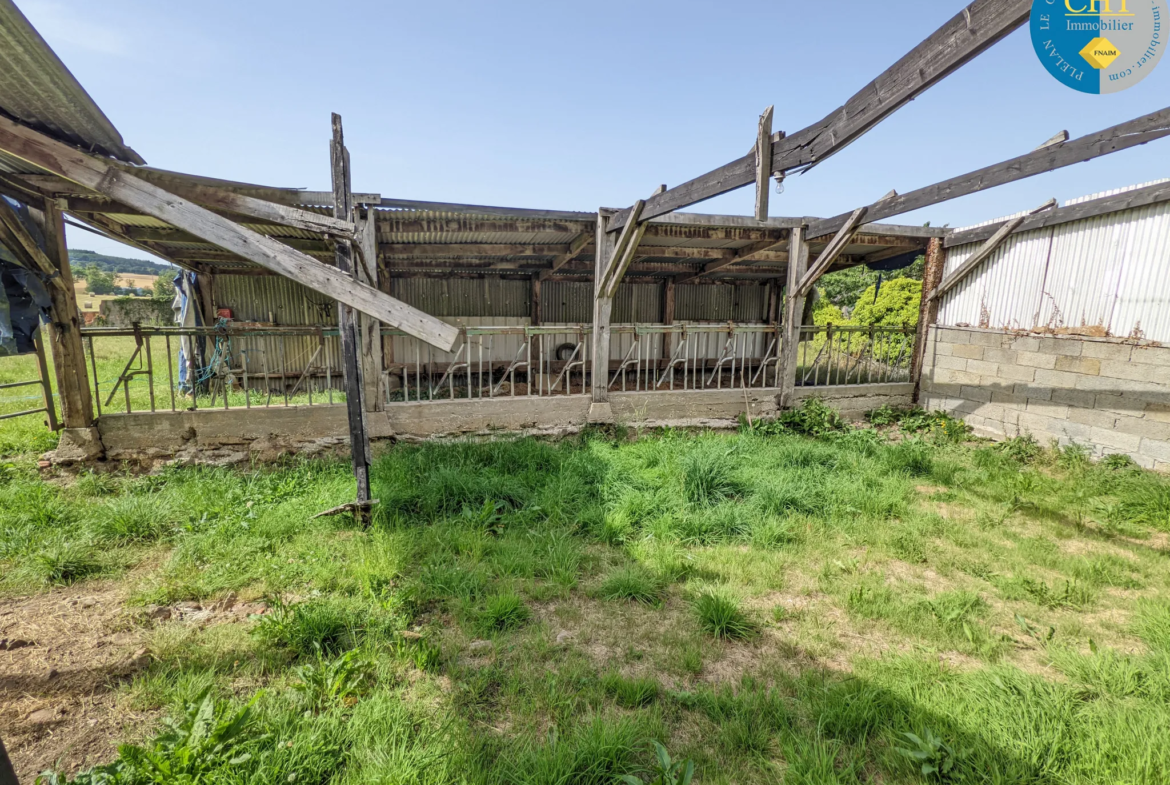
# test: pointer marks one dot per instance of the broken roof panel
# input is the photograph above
(36, 89)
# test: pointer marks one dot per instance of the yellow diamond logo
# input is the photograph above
(1100, 53)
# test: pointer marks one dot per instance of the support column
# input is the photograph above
(206, 284)
(65, 335)
(536, 375)
(370, 328)
(932, 275)
(599, 410)
(348, 325)
(668, 318)
(793, 310)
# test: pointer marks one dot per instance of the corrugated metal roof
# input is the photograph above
(38, 90)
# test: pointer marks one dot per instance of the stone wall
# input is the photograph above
(240, 435)
(1109, 394)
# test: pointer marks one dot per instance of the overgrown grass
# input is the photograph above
(773, 606)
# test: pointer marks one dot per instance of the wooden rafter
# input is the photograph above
(986, 250)
(744, 254)
(16, 237)
(123, 187)
(1111, 140)
(1139, 197)
(843, 237)
(575, 248)
(963, 37)
(763, 163)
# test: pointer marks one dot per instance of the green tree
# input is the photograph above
(164, 288)
(845, 287)
(97, 280)
(897, 304)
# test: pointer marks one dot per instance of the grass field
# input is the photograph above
(775, 607)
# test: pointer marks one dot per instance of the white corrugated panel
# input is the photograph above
(1143, 301)
(1004, 291)
(1108, 274)
(1086, 261)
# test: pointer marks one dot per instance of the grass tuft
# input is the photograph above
(630, 693)
(503, 612)
(632, 583)
(720, 615)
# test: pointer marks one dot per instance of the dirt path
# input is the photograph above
(61, 655)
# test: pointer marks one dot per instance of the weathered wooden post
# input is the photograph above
(793, 310)
(347, 323)
(599, 409)
(370, 328)
(932, 276)
(68, 354)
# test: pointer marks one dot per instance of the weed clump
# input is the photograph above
(708, 477)
(503, 612)
(632, 583)
(720, 616)
(315, 627)
(64, 562)
(630, 693)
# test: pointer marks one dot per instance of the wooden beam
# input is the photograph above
(575, 247)
(963, 37)
(832, 250)
(68, 353)
(412, 223)
(928, 310)
(986, 250)
(744, 254)
(369, 328)
(1120, 137)
(1139, 197)
(269, 212)
(17, 238)
(599, 409)
(359, 441)
(763, 163)
(96, 174)
(623, 239)
(1059, 138)
(424, 250)
(793, 310)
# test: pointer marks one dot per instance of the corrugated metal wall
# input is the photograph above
(472, 302)
(1108, 274)
(720, 303)
(466, 296)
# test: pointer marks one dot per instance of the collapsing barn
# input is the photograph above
(428, 318)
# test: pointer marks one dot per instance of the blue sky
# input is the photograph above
(570, 106)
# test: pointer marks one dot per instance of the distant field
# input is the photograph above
(92, 302)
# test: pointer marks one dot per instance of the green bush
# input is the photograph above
(896, 305)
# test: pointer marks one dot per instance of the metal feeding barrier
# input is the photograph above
(682, 357)
(241, 366)
(830, 355)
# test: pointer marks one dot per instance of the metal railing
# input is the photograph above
(681, 357)
(494, 362)
(829, 355)
(239, 366)
(44, 385)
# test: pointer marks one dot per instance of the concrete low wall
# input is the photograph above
(217, 436)
(1109, 394)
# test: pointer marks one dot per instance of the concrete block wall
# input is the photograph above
(1109, 394)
